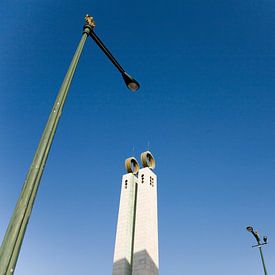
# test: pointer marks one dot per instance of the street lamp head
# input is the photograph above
(130, 82)
(249, 229)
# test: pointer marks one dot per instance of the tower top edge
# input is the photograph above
(148, 160)
(131, 165)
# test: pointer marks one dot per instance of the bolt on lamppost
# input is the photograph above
(10, 248)
(259, 244)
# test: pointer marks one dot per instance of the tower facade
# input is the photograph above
(145, 256)
(136, 246)
(126, 217)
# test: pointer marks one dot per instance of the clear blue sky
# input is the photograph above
(206, 105)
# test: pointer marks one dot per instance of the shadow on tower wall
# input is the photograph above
(143, 264)
(122, 267)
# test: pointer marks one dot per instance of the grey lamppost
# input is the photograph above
(259, 245)
(12, 242)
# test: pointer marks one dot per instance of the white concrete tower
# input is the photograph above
(125, 224)
(145, 254)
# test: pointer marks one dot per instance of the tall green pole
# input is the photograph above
(262, 257)
(10, 248)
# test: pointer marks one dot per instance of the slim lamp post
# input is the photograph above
(10, 248)
(259, 245)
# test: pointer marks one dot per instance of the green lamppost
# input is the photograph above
(259, 245)
(12, 242)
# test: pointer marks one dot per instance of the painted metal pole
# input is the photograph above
(10, 248)
(262, 257)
